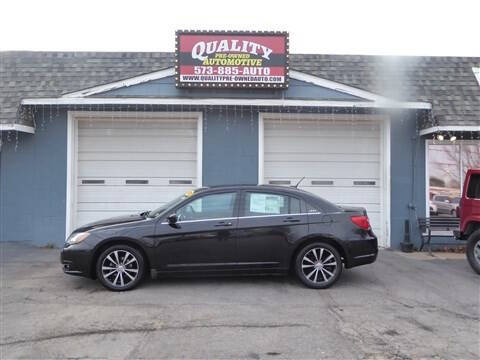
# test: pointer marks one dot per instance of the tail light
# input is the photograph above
(361, 221)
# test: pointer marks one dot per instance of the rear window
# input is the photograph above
(473, 190)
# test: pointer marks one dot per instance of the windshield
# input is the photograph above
(168, 205)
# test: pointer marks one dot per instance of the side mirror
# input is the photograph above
(172, 219)
(447, 201)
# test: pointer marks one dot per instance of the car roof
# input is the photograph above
(306, 195)
(254, 187)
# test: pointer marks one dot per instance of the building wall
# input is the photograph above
(230, 148)
(33, 183)
(407, 163)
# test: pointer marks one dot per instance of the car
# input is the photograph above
(444, 204)
(470, 218)
(433, 208)
(243, 229)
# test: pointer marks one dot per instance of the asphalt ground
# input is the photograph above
(401, 307)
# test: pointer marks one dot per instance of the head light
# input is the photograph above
(77, 238)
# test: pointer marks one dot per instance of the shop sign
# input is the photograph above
(231, 59)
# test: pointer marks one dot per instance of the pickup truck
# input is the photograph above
(470, 217)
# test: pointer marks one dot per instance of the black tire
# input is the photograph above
(473, 243)
(317, 276)
(131, 265)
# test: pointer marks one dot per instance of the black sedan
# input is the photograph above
(243, 229)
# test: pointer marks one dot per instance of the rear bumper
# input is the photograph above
(361, 252)
(75, 261)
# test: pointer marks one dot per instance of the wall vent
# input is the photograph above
(322, 182)
(136, 182)
(364, 183)
(279, 182)
(180, 182)
(93, 182)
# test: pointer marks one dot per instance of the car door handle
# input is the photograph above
(291, 220)
(223, 223)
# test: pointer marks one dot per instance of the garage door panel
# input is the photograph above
(131, 165)
(137, 131)
(137, 156)
(318, 169)
(302, 145)
(132, 123)
(134, 193)
(136, 168)
(316, 156)
(131, 143)
(323, 126)
(85, 217)
(323, 133)
(341, 160)
(133, 207)
(347, 195)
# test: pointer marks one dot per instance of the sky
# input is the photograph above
(388, 27)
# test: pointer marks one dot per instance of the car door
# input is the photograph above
(268, 225)
(203, 238)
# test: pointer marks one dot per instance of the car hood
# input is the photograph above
(111, 221)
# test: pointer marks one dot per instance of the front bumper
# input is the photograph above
(361, 252)
(75, 260)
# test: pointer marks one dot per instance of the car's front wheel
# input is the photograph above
(473, 251)
(120, 267)
(318, 265)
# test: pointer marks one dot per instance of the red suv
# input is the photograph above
(470, 217)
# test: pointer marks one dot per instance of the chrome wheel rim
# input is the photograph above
(120, 268)
(476, 252)
(319, 265)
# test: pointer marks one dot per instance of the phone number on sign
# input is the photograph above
(230, 70)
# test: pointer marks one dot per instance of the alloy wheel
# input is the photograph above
(476, 252)
(319, 265)
(120, 268)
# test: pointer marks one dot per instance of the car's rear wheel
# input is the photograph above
(473, 251)
(120, 267)
(318, 265)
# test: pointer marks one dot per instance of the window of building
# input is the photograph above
(448, 163)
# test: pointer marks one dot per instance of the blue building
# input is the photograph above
(86, 136)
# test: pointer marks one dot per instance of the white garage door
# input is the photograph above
(127, 165)
(341, 160)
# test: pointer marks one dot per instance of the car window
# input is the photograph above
(312, 209)
(473, 190)
(260, 204)
(214, 206)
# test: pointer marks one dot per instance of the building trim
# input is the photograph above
(436, 129)
(17, 127)
(427, 181)
(386, 174)
(122, 83)
(385, 159)
(226, 101)
(350, 90)
(72, 151)
(312, 79)
(261, 138)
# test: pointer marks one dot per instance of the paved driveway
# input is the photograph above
(401, 307)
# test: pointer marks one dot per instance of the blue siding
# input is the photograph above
(230, 148)
(407, 163)
(33, 184)
(165, 87)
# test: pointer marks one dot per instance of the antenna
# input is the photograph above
(296, 186)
